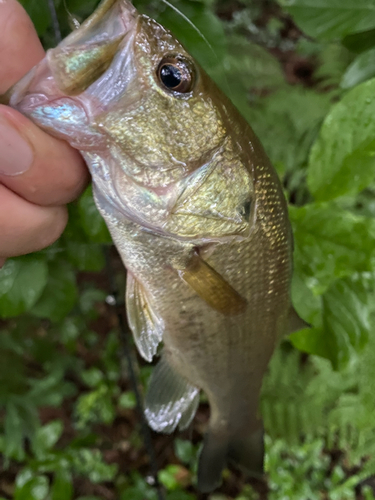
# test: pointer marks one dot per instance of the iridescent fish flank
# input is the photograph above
(195, 209)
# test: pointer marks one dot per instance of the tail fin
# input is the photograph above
(245, 450)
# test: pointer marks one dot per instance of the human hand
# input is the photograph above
(39, 174)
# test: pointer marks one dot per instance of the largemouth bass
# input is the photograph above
(195, 209)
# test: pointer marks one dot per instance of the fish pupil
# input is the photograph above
(171, 76)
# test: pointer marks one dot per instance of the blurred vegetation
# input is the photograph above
(301, 73)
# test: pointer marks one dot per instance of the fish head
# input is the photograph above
(151, 124)
(165, 121)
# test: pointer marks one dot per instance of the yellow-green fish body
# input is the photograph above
(195, 209)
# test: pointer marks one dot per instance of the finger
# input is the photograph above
(54, 173)
(25, 227)
(40, 168)
(20, 47)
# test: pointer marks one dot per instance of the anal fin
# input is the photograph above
(171, 400)
(147, 328)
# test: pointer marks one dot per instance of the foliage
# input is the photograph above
(67, 412)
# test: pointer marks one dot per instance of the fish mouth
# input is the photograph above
(81, 58)
(86, 54)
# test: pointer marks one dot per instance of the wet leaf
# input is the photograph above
(361, 69)
(359, 42)
(62, 486)
(342, 160)
(173, 477)
(34, 489)
(60, 294)
(209, 50)
(85, 256)
(331, 19)
(127, 400)
(330, 243)
(346, 322)
(47, 436)
(185, 450)
(22, 282)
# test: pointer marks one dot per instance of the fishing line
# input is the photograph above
(193, 26)
(55, 20)
(197, 30)
(113, 300)
(73, 21)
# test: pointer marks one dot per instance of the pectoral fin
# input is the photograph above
(295, 321)
(170, 401)
(147, 328)
(212, 287)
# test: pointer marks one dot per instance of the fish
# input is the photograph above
(196, 211)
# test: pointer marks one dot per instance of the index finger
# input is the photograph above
(20, 48)
(55, 174)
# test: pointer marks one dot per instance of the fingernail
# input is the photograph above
(16, 155)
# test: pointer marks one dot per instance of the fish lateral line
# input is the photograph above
(212, 287)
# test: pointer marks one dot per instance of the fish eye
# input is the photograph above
(176, 74)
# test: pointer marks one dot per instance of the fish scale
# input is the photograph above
(195, 210)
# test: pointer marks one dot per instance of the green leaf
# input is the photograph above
(60, 294)
(361, 69)
(359, 42)
(330, 243)
(95, 406)
(91, 221)
(47, 436)
(184, 450)
(307, 304)
(331, 19)
(89, 298)
(91, 464)
(210, 50)
(92, 377)
(62, 487)
(169, 477)
(85, 256)
(342, 160)
(34, 489)
(22, 282)
(89, 498)
(181, 495)
(346, 322)
(313, 341)
(246, 66)
(14, 435)
(127, 400)
(277, 120)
